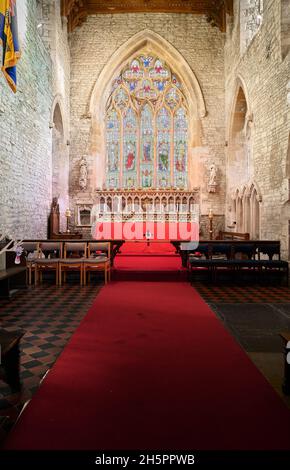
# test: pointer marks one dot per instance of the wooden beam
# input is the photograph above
(217, 13)
(215, 10)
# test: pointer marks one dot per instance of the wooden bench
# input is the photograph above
(286, 383)
(10, 279)
(239, 259)
(10, 358)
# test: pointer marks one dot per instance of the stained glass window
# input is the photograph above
(113, 149)
(130, 149)
(163, 148)
(147, 127)
(147, 147)
(180, 148)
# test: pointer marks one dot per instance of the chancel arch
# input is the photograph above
(141, 120)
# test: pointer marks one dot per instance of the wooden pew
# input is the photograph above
(239, 259)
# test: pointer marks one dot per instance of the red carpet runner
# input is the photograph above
(141, 261)
(151, 367)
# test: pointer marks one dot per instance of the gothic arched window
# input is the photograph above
(147, 126)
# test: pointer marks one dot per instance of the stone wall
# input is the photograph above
(26, 120)
(25, 144)
(93, 45)
(263, 73)
(57, 40)
(50, 115)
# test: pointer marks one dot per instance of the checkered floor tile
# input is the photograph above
(48, 316)
(243, 294)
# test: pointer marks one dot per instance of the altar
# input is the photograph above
(145, 215)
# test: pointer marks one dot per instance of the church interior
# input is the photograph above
(145, 225)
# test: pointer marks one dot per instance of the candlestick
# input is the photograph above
(68, 215)
(210, 216)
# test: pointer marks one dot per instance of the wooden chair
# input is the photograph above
(31, 253)
(74, 255)
(49, 255)
(98, 261)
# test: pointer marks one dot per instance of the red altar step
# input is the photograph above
(146, 267)
(147, 248)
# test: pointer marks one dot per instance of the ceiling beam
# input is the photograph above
(76, 11)
(218, 11)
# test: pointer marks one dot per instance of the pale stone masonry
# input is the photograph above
(264, 75)
(100, 37)
(25, 142)
(26, 120)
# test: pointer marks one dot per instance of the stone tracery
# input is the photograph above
(147, 111)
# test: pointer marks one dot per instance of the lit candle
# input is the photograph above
(210, 215)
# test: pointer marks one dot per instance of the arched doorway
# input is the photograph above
(60, 164)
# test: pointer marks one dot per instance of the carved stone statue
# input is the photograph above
(55, 205)
(83, 178)
(54, 218)
(212, 183)
(212, 174)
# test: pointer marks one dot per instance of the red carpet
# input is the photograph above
(151, 367)
(134, 266)
(150, 248)
(148, 263)
(141, 261)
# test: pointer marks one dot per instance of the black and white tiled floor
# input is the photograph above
(48, 316)
(255, 316)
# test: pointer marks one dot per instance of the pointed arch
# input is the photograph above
(59, 157)
(153, 43)
(240, 91)
(57, 104)
(247, 209)
(240, 129)
(253, 186)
